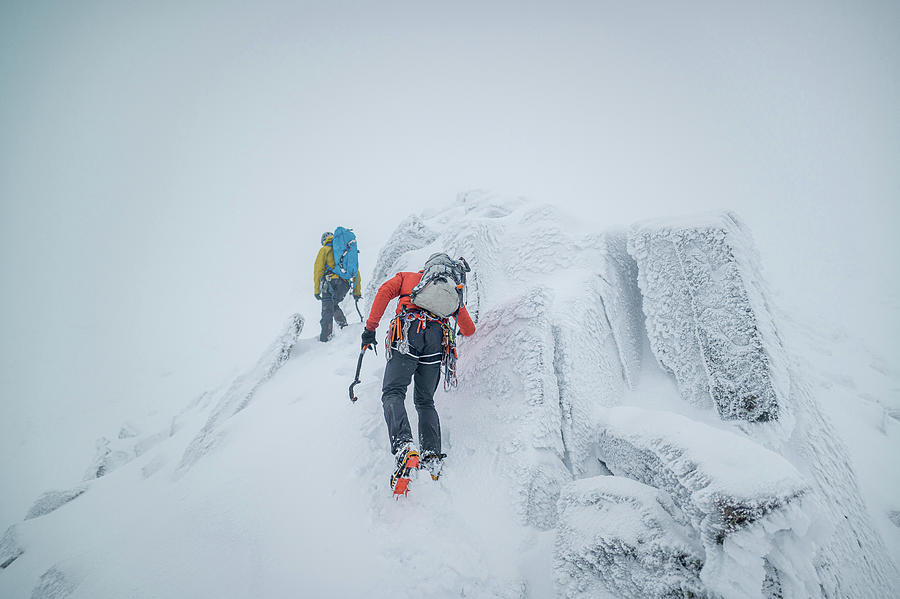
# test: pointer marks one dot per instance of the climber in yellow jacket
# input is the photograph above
(331, 289)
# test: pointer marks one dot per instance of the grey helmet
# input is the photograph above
(325, 236)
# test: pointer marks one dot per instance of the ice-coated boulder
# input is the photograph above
(54, 584)
(10, 548)
(706, 320)
(53, 500)
(747, 504)
(517, 387)
(627, 539)
(412, 234)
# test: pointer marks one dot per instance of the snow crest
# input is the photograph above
(242, 390)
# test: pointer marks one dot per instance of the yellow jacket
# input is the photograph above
(324, 261)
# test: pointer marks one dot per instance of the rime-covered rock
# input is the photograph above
(747, 503)
(54, 584)
(409, 236)
(588, 370)
(53, 500)
(706, 323)
(128, 431)
(621, 300)
(559, 331)
(109, 457)
(710, 324)
(10, 548)
(113, 454)
(518, 388)
(621, 537)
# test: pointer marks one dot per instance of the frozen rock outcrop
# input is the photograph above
(54, 584)
(706, 323)
(53, 500)
(110, 456)
(710, 325)
(747, 504)
(411, 235)
(621, 536)
(519, 388)
(10, 548)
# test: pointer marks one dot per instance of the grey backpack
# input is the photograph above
(441, 289)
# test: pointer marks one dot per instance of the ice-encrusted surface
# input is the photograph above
(745, 503)
(53, 500)
(54, 584)
(710, 324)
(702, 323)
(10, 548)
(621, 303)
(620, 536)
(411, 235)
(524, 396)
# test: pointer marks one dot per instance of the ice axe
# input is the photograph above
(356, 380)
(356, 301)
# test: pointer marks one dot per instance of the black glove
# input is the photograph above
(368, 338)
(318, 297)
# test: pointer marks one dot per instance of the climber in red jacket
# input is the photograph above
(420, 340)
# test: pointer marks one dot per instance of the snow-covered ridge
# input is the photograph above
(241, 392)
(579, 461)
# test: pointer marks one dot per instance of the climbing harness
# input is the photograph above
(397, 339)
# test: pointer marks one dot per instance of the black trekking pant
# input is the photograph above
(423, 367)
(333, 293)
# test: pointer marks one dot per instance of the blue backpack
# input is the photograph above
(346, 254)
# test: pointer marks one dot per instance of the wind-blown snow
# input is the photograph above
(276, 485)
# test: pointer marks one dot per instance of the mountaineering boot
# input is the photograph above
(434, 463)
(407, 461)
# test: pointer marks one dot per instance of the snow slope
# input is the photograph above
(583, 461)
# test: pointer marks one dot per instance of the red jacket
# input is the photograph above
(402, 284)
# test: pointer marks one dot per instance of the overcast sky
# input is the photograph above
(167, 168)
